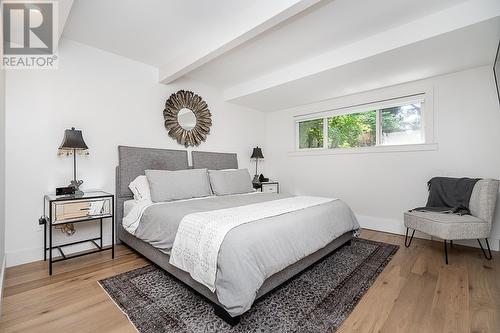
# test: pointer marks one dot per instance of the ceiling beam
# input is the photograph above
(450, 19)
(201, 56)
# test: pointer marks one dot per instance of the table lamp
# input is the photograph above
(256, 153)
(72, 143)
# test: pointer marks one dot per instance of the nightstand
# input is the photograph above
(64, 209)
(270, 187)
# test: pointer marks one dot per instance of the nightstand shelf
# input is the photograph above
(71, 256)
(71, 209)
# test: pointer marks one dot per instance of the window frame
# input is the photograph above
(425, 98)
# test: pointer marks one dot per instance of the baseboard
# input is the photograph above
(23, 256)
(397, 227)
(386, 225)
(2, 279)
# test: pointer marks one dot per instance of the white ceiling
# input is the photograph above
(277, 54)
(157, 32)
(458, 50)
(329, 25)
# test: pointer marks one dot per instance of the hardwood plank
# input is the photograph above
(416, 292)
(381, 296)
(52, 297)
(42, 278)
(450, 307)
(484, 293)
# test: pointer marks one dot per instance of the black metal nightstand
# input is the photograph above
(67, 209)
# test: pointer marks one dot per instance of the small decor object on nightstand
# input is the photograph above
(256, 153)
(73, 143)
(68, 190)
(62, 211)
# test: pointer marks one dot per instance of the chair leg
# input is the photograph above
(445, 252)
(407, 244)
(451, 243)
(484, 252)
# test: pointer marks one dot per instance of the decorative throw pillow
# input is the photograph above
(175, 185)
(140, 188)
(225, 182)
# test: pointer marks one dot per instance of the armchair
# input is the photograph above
(451, 227)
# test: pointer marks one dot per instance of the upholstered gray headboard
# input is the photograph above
(133, 161)
(214, 161)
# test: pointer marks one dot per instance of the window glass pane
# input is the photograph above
(352, 130)
(402, 125)
(311, 134)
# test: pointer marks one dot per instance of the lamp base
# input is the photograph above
(76, 185)
(256, 182)
(78, 193)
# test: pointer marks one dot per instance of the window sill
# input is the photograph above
(365, 150)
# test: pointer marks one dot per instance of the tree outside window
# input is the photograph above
(397, 125)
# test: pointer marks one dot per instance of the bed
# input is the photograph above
(230, 299)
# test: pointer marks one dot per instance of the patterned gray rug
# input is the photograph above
(317, 300)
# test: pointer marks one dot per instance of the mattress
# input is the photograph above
(252, 252)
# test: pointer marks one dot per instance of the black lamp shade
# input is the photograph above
(73, 139)
(257, 153)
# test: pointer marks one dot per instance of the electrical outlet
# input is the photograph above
(41, 221)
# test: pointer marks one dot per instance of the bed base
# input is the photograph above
(161, 260)
(224, 315)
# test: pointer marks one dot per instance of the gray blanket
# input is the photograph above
(254, 251)
(449, 195)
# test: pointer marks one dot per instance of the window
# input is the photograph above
(311, 134)
(389, 123)
(352, 130)
(402, 125)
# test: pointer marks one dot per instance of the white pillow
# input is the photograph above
(140, 188)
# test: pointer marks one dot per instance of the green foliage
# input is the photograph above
(359, 129)
(352, 130)
(311, 134)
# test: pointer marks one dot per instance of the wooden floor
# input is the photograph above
(416, 292)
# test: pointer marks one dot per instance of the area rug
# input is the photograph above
(317, 300)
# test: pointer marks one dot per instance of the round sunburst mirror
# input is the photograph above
(187, 118)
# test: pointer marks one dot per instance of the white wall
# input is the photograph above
(2, 179)
(380, 186)
(115, 101)
(118, 101)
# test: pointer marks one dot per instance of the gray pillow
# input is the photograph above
(226, 182)
(175, 185)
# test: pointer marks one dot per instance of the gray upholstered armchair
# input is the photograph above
(451, 227)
